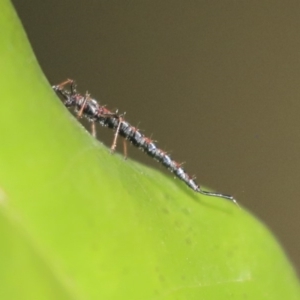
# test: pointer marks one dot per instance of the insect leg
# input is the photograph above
(93, 129)
(114, 144)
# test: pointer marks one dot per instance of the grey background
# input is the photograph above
(216, 82)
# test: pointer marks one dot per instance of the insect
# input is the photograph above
(87, 107)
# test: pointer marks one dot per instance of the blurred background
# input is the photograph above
(217, 83)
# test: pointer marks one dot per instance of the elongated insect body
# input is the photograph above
(89, 108)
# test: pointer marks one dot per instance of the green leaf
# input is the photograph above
(79, 223)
